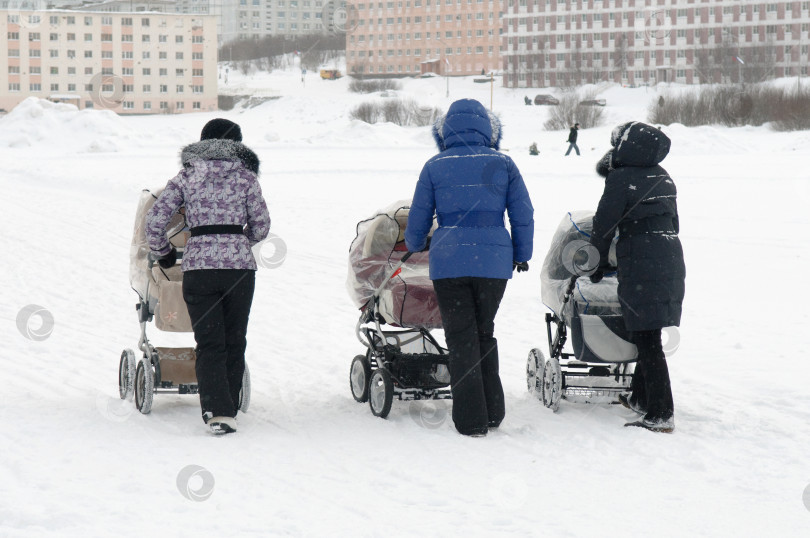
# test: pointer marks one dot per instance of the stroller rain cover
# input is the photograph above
(407, 300)
(571, 254)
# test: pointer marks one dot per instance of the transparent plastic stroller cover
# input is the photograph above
(407, 300)
(139, 277)
(570, 255)
(594, 312)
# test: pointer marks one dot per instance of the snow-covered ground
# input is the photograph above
(308, 460)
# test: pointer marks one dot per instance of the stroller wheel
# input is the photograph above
(126, 374)
(359, 375)
(144, 386)
(244, 393)
(534, 372)
(552, 384)
(380, 393)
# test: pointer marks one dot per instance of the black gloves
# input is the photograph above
(169, 259)
(597, 276)
(520, 266)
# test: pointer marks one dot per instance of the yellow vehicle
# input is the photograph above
(331, 74)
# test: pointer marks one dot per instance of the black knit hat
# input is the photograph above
(221, 128)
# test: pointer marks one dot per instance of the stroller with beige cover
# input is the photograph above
(160, 294)
(404, 360)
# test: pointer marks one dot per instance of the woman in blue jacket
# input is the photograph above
(468, 186)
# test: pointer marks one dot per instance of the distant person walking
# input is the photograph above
(572, 139)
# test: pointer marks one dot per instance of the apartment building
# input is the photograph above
(131, 63)
(409, 37)
(566, 42)
(255, 19)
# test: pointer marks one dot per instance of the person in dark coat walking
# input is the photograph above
(572, 139)
(639, 201)
(226, 211)
(468, 186)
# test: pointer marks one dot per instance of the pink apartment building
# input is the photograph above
(567, 42)
(131, 63)
(409, 37)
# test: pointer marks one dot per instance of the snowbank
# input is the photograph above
(39, 122)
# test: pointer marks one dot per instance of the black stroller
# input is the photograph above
(404, 361)
(603, 359)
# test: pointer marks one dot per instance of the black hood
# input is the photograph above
(638, 144)
(220, 150)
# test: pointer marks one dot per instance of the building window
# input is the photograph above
(196, 105)
(13, 86)
(35, 87)
(147, 105)
(129, 105)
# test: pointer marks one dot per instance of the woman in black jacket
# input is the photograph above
(639, 201)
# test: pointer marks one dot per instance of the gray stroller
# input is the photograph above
(600, 365)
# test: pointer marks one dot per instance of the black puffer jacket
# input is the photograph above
(640, 200)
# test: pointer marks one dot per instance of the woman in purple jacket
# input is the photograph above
(227, 214)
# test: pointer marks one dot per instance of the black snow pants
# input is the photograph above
(218, 303)
(468, 306)
(651, 388)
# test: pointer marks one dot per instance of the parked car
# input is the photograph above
(593, 102)
(545, 99)
(330, 74)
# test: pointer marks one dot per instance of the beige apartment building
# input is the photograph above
(130, 63)
(409, 37)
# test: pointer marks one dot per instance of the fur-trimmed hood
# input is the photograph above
(634, 144)
(220, 150)
(467, 122)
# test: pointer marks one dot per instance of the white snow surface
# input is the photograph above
(310, 461)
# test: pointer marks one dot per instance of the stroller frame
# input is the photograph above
(563, 376)
(385, 371)
(143, 378)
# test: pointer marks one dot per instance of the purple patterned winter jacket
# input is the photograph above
(218, 185)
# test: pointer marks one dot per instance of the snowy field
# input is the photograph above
(308, 460)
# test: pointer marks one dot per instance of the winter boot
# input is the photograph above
(660, 425)
(222, 425)
(630, 403)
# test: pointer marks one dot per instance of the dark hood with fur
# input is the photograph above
(220, 150)
(634, 144)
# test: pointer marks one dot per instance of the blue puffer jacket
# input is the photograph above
(469, 185)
